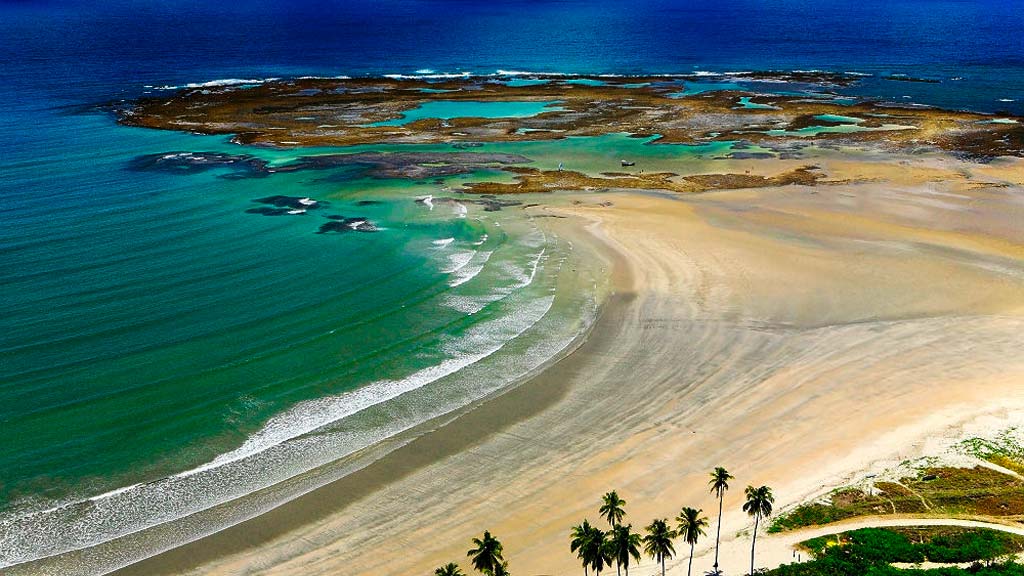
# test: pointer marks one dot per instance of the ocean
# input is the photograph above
(164, 349)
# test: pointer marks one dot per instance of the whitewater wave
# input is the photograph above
(470, 269)
(434, 76)
(458, 261)
(306, 417)
(511, 278)
(220, 83)
(290, 443)
(305, 437)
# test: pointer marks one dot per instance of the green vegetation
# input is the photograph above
(871, 552)
(612, 508)
(719, 486)
(591, 546)
(1004, 450)
(625, 544)
(691, 528)
(486, 556)
(658, 542)
(598, 549)
(449, 569)
(935, 491)
(758, 505)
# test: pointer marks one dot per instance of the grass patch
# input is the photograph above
(939, 491)
(1006, 449)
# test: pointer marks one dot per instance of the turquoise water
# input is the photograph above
(514, 82)
(448, 109)
(745, 102)
(694, 88)
(839, 129)
(157, 340)
(585, 82)
(237, 350)
(838, 118)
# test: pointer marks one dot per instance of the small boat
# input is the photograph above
(625, 163)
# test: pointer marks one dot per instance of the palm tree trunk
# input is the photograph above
(753, 543)
(718, 535)
(663, 565)
(618, 569)
(690, 565)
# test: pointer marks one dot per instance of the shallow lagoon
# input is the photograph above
(840, 129)
(747, 104)
(448, 109)
(838, 118)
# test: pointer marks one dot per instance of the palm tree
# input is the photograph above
(580, 543)
(612, 509)
(599, 550)
(719, 486)
(691, 528)
(486, 556)
(449, 569)
(759, 505)
(625, 544)
(658, 542)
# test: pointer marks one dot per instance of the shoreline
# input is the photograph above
(746, 333)
(432, 441)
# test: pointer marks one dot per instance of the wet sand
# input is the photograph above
(794, 335)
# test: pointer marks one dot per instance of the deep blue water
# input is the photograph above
(148, 325)
(68, 51)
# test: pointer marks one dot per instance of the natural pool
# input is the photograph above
(839, 129)
(747, 104)
(447, 109)
(839, 119)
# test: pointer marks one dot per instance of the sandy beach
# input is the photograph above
(794, 335)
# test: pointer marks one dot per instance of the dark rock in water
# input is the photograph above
(368, 202)
(196, 162)
(493, 204)
(746, 156)
(407, 165)
(274, 211)
(346, 225)
(335, 217)
(293, 202)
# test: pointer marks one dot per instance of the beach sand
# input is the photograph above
(794, 335)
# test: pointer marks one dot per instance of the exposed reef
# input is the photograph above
(332, 112)
(531, 180)
(411, 165)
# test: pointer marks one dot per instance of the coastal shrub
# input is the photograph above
(968, 547)
(871, 552)
(876, 545)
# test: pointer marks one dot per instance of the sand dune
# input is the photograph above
(793, 335)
